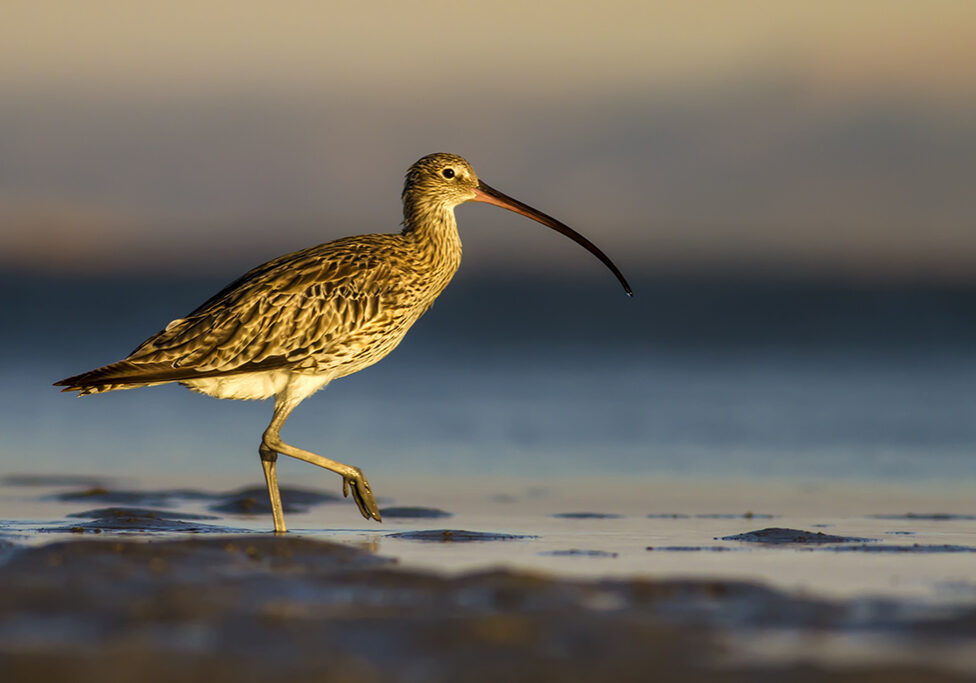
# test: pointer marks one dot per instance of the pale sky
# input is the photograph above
(835, 135)
(572, 48)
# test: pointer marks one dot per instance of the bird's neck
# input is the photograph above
(433, 229)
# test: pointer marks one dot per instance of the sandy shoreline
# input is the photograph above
(259, 607)
(107, 582)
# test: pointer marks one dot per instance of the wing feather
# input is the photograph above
(299, 309)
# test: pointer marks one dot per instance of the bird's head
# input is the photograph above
(442, 181)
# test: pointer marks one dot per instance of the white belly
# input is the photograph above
(253, 386)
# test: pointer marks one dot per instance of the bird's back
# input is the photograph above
(328, 311)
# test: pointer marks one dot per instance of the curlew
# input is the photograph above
(292, 325)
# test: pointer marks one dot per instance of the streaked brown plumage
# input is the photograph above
(290, 326)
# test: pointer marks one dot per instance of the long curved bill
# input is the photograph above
(489, 195)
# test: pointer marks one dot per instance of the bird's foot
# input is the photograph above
(361, 493)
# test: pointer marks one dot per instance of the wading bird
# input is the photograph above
(292, 325)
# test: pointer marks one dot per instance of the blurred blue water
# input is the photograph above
(694, 377)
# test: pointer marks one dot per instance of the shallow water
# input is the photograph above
(915, 543)
(893, 585)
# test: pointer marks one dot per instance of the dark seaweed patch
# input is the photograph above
(576, 552)
(913, 548)
(692, 548)
(119, 512)
(456, 536)
(409, 512)
(52, 480)
(248, 501)
(254, 500)
(137, 520)
(928, 517)
(586, 515)
(780, 536)
(164, 498)
(668, 515)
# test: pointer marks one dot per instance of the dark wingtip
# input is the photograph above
(69, 383)
(69, 387)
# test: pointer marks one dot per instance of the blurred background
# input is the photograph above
(788, 186)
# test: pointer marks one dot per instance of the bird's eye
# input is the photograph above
(448, 172)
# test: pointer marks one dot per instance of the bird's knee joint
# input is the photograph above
(268, 454)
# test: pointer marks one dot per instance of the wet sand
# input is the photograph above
(511, 580)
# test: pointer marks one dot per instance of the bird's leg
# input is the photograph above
(353, 478)
(268, 460)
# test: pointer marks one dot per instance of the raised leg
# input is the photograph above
(268, 460)
(353, 479)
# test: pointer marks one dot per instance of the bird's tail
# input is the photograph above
(123, 374)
